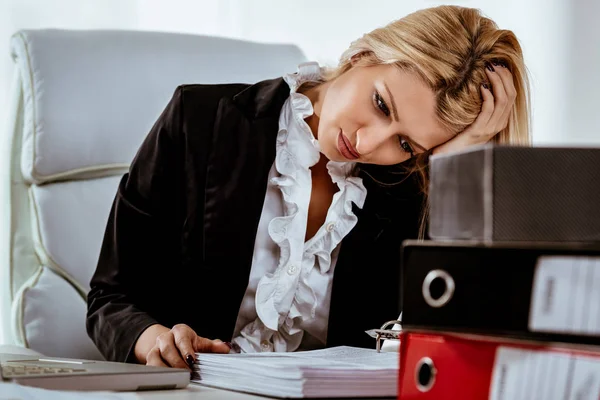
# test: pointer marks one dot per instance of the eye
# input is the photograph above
(380, 103)
(405, 145)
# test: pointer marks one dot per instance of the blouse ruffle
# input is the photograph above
(284, 298)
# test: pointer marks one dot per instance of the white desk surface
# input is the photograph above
(197, 392)
(192, 392)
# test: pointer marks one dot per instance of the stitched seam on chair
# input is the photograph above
(19, 311)
(74, 173)
(11, 242)
(47, 259)
(33, 100)
(14, 137)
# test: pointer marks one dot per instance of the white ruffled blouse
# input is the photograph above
(286, 304)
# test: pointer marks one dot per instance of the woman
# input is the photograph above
(244, 199)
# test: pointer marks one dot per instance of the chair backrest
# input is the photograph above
(83, 102)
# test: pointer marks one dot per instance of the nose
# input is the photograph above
(369, 139)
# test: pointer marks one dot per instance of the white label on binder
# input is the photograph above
(565, 297)
(520, 374)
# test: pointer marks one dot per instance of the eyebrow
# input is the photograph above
(395, 115)
(394, 112)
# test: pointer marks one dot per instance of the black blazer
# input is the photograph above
(180, 236)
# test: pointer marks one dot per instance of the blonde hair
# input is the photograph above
(448, 47)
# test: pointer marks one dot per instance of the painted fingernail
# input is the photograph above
(489, 66)
(190, 360)
(229, 345)
(485, 86)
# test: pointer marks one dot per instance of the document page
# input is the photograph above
(343, 356)
(354, 355)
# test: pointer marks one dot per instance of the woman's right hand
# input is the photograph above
(176, 347)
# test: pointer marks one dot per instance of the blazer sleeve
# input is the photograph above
(140, 241)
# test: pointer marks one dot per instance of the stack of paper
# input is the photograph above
(334, 372)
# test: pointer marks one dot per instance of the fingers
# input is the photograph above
(184, 337)
(177, 348)
(220, 347)
(511, 92)
(504, 94)
(153, 358)
(500, 96)
(487, 108)
(478, 131)
(169, 351)
(204, 345)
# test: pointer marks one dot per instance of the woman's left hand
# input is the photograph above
(495, 111)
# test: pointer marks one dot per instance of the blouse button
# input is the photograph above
(282, 136)
(292, 270)
(330, 227)
(265, 345)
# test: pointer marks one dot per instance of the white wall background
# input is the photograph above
(560, 39)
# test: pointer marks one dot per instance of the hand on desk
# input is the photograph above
(176, 347)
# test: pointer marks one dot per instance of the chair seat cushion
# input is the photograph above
(50, 318)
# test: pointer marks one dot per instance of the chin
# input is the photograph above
(328, 144)
(331, 154)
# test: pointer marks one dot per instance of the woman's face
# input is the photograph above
(377, 115)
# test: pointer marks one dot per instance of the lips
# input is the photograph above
(346, 148)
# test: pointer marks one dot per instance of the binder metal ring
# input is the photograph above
(426, 289)
(388, 333)
(427, 363)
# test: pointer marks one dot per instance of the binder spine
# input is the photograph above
(444, 367)
(528, 293)
(459, 206)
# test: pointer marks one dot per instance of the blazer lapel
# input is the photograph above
(242, 153)
(366, 283)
